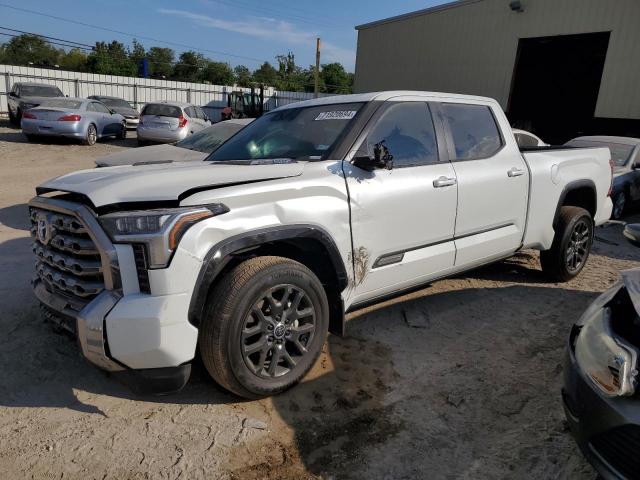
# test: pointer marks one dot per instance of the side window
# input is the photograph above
(98, 107)
(474, 130)
(190, 112)
(408, 132)
(90, 107)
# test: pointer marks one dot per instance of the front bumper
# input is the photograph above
(132, 123)
(145, 340)
(605, 428)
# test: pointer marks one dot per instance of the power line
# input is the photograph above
(119, 32)
(114, 56)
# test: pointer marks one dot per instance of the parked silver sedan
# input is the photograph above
(169, 122)
(82, 119)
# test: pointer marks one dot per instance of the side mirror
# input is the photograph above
(632, 233)
(12, 94)
(382, 158)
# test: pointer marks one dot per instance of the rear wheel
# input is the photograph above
(619, 205)
(31, 137)
(13, 120)
(91, 136)
(264, 326)
(571, 245)
(142, 143)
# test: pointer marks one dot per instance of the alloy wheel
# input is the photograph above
(578, 247)
(278, 331)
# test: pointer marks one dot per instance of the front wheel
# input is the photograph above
(571, 245)
(122, 134)
(91, 136)
(264, 326)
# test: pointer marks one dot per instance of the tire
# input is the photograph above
(91, 136)
(12, 119)
(571, 245)
(142, 143)
(31, 137)
(122, 134)
(238, 314)
(619, 205)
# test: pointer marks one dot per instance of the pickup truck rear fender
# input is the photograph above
(579, 193)
(308, 244)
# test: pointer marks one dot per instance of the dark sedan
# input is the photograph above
(121, 106)
(26, 95)
(601, 394)
(625, 153)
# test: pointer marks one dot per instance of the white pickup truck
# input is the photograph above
(313, 210)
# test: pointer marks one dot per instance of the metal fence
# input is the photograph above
(138, 91)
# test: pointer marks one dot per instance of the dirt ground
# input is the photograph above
(459, 380)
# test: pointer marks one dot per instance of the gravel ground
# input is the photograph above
(459, 380)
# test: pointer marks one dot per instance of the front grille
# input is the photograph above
(67, 260)
(619, 447)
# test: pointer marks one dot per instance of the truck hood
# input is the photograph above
(153, 154)
(163, 182)
(36, 100)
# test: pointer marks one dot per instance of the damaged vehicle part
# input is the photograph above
(600, 390)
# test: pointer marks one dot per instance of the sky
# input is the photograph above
(247, 32)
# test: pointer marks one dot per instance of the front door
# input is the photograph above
(402, 219)
(493, 183)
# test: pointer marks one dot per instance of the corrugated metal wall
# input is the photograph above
(137, 91)
(472, 48)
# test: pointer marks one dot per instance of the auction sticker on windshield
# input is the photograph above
(337, 115)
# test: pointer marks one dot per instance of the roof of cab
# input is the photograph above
(382, 96)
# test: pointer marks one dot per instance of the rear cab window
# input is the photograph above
(473, 129)
(161, 110)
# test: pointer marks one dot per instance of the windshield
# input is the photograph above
(162, 110)
(620, 153)
(40, 91)
(62, 103)
(306, 133)
(114, 102)
(209, 139)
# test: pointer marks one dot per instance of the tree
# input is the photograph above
(74, 60)
(266, 75)
(242, 76)
(160, 62)
(189, 63)
(137, 55)
(335, 78)
(290, 76)
(25, 49)
(217, 73)
(111, 59)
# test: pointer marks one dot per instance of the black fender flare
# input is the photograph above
(574, 186)
(220, 254)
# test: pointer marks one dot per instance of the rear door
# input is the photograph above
(402, 219)
(493, 182)
(110, 123)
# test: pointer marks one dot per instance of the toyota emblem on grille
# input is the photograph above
(44, 229)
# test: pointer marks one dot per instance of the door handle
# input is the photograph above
(444, 182)
(515, 172)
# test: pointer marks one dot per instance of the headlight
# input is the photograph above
(160, 230)
(608, 361)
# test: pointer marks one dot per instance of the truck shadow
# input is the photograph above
(15, 216)
(475, 382)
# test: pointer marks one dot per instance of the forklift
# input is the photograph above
(244, 104)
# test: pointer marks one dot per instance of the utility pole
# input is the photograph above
(317, 73)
